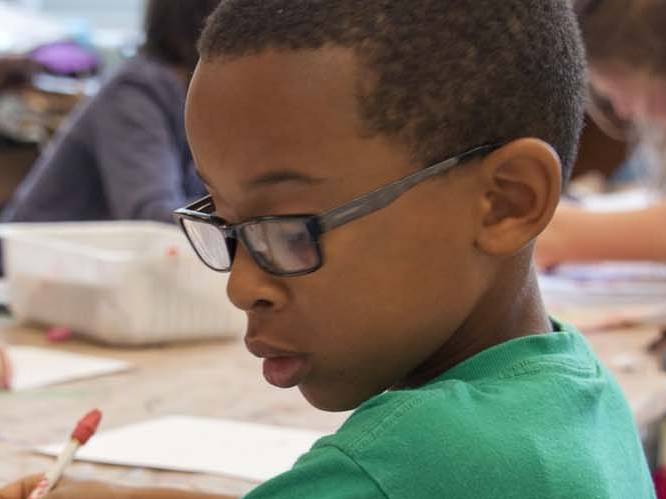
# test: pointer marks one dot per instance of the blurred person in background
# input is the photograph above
(123, 154)
(626, 47)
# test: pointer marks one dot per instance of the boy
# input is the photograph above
(417, 305)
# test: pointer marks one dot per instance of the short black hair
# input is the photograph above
(172, 28)
(447, 74)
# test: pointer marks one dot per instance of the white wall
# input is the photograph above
(100, 14)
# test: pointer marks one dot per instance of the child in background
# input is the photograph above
(124, 154)
(626, 48)
(376, 202)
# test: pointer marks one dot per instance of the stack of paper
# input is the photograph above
(614, 293)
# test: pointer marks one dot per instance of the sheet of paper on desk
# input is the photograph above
(215, 446)
(38, 367)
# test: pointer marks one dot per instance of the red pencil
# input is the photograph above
(84, 430)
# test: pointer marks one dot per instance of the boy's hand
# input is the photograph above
(20, 489)
(72, 489)
(66, 489)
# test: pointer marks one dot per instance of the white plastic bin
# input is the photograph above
(126, 283)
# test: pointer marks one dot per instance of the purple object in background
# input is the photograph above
(66, 59)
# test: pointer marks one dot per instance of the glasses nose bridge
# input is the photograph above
(231, 237)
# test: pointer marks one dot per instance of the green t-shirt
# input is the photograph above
(535, 417)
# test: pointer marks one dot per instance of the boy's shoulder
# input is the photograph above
(519, 420)
(489, 385)
(522, 419)
(482, 418)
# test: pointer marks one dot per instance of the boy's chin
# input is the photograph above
(331, 400)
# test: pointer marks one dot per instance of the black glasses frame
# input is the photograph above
(202, 211)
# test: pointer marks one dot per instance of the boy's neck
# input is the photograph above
(512, 309)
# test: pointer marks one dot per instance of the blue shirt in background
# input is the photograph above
(122, 155)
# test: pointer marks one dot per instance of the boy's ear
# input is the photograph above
(521, 184)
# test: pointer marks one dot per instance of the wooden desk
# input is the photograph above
(207, 379)
(220, 380)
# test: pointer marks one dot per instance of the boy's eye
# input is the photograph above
(297, 240)
(295, 249)
(285, 243)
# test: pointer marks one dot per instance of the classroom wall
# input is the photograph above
(116, 14)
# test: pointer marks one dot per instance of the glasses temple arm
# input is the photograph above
(382, 197)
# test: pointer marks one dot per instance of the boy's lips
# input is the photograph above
(281, 368)
(285, 372)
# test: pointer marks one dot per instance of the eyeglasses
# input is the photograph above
(289, 245)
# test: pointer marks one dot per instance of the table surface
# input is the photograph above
(220, 379)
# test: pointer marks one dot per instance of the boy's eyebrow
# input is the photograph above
(282, 176)
(271, 179)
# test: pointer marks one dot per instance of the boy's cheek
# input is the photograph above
(369, 283)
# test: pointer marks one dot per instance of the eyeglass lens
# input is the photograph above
(279, 246)
(282, 246)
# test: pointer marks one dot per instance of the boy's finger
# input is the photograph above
(20, 489)
(74, 489)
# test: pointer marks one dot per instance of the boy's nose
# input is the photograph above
(250, 288)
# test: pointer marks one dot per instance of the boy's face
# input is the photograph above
(278, 133)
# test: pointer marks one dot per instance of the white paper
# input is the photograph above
(38, 367)
(181, 443)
